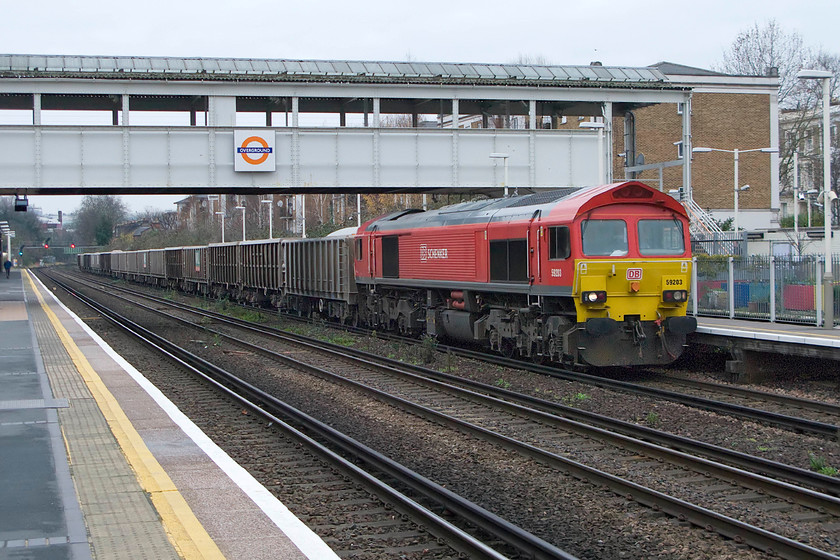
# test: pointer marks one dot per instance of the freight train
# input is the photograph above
(595, 276)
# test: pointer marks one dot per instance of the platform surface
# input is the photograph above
(96, 463)
(763, 330)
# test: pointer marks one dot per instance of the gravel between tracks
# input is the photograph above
(567, 511)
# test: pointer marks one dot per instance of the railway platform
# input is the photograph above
(759, 347)
(96, 463)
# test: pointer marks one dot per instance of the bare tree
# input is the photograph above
(758, 49)
(763, 49)
(164, 220)
(531, 59)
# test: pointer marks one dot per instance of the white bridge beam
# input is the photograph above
(144, 159)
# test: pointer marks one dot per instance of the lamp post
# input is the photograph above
(828, 277)
(736, 152)
(243, 220)
(270, 213)
(503, 157)
(796, 198)
(222, 220)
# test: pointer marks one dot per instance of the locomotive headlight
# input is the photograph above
(674, 296)
(594, 297)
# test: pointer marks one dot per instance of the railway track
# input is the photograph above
(807, 409)
(817, 418)
(758, 465)
(374, 521)
(571, 447)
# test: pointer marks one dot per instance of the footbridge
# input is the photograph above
(142, 125)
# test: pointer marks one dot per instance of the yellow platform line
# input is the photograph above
(183, 529)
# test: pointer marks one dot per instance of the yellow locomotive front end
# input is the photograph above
(632, 311)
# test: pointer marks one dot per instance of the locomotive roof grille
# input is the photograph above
(478, 211)
(543, 197)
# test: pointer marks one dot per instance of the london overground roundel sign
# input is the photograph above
(254, 150)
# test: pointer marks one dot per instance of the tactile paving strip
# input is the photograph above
(121, 521)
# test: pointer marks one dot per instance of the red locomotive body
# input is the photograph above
(517, 274)
(593, 276)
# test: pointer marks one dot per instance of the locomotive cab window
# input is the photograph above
(661, 237)
(604, 238)
(559, 245)
(359, 255)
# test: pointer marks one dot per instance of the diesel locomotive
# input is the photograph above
(595, 276)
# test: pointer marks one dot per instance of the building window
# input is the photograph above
(680, 108)
(679, 146)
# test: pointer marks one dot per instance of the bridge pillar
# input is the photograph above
(749, 366)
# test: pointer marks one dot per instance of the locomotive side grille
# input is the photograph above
(432, 257)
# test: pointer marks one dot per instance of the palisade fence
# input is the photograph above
(769, 288)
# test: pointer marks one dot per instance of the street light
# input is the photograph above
(828, 277)
(809, 197)
(270, 213)
(505, 158)
(222, 220)
(796, 198)
(736, 187)
(243, 220)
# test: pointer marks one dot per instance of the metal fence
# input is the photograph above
(784, 289)
(724, 243)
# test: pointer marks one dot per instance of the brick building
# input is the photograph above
(727, 113)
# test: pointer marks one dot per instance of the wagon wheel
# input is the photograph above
(553, 347)
(536, 357)
(508, 348)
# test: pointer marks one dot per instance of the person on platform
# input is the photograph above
(8, 266)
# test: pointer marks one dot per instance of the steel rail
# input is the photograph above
(489, 522)
(807, 404)
(703, 517)
(789, 422)
(759, 465)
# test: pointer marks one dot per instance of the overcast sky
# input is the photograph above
(628, 33)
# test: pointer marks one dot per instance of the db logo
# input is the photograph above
(245, 149)
(634, 273)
